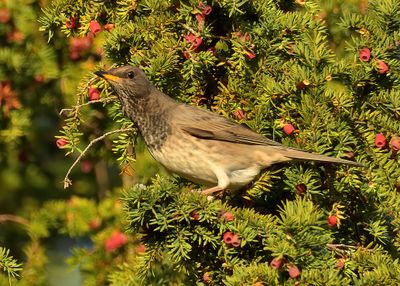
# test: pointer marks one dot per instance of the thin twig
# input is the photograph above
(14, 218)
(345, 249)
(106, 100)
(67, 181)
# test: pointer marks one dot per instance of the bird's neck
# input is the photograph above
(151, 117)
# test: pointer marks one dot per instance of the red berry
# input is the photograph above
(94, 27)
(228, 216)
(70, 23)
(350, 155)
(206, 277)
(86, 166)
(250, 55)
(239, 114)
(365, 55)
(380, 140)
(186, 55)
(332, 220)
(206, 10)
(276, 263)
(108, 27)
(79, 45)
(61, 142)
(383, 68)
(235, 241)
(195, 215)
(294, 271)
(39, 78)
(300, 188)
(395, 144)
(95, 223)
(228, 237)
(200, 19)
(340, 263)
(141, 248)
(116, 240)
(16, 37)
(288, 128)
(300, 85)
(194, 40)
(5, 15)
(74, 55)
(94, 93)
(244, 38)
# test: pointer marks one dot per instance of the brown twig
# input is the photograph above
(13, 218)
(105, 100)
(67, 181)
(344, 249)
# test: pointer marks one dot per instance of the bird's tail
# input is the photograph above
(303, 155)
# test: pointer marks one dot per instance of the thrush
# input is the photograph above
(197, 144)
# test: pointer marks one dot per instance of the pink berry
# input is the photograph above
(206, 277)
(61, 142)
(250, 55)
(228, 237)
(235, 240)
(77, 46)
(108, 27)
(194, 40)
(276, 263)
(94, 27)
(86, 166)
(395, 144)
(294, 271)
(332, 220)
(207, 10)
(116, 240)
(95, 223)
(5, 15)
(365, 55)
(288, 128)
(141, 248)
(39, 78)
(380, 140)
(228, 216)
(200, 19)
(383, 68)
(94, 93)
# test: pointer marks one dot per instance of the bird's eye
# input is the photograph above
(131, 74)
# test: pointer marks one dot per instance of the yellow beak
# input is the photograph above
(107, 76)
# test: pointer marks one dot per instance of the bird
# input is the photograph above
(195, 143)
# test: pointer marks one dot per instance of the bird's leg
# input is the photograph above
(223, 183)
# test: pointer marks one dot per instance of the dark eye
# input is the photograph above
(131, 74)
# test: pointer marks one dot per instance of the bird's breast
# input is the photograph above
(201, 160)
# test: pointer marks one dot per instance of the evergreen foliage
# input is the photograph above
(332, 74)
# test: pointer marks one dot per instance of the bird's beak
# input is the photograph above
(108, 76)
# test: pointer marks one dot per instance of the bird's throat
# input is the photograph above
(149, 115)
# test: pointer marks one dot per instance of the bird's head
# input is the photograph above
(127, 81)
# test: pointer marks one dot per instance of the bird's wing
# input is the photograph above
(204, 124)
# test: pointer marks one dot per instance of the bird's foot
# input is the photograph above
(214, 191)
